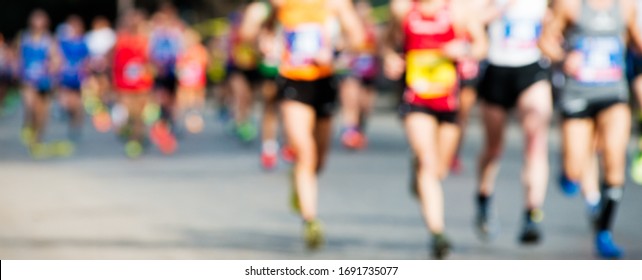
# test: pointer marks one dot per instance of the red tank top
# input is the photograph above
(131, 74)
(431, 78)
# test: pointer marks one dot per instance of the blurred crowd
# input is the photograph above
(148, 78)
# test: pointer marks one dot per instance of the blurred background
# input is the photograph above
(212, 200)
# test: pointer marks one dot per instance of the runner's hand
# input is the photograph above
(393, 66)
(457, 49)
(324, 57)
(573, 63)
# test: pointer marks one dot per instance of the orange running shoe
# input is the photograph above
(163, 138)
(353, 139)
(102, 121)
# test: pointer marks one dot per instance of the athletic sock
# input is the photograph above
(533, 215)
(610, 200)
(483, 201)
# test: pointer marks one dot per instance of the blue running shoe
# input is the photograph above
(606, 247)
(568, 187)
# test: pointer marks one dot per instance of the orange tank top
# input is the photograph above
(304, 23)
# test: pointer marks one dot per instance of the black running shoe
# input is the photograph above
(486, 222)
(531, 234)
(440, 246)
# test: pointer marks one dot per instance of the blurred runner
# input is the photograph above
(307, 91)
(594, 102)
(97, 96)
(217, 75)
(634, 65)
(165, 44)
(358, 86)
(270, 45)
(469, 70)
(191, 65)
(516, 78)
(6, 72)
(243, 77)
(39, 59)
(133, 80)
(73, 72)
(430, 30)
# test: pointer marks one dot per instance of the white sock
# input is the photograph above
(270, 146)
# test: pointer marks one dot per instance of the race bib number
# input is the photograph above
(602, 60)
(303, 44)
(133, 72)
(190, 74)
(429, 74)
(36, 70)
(521, 34)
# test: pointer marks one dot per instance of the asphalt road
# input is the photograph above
(212, 201)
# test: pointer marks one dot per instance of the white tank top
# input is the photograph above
(514, 35)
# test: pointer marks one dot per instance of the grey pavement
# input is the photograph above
(212, 201)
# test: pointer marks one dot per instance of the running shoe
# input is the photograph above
(531, 233)
(487, 222)
(133, 149)
(246, 132)
(269, 154)
(287, 154)
(313, 235)
(42, 151)
(28, 136)
(163, 138)
(636, 168)
(61, 148)
(440, 246)
(568, 187)
(352, 139)
(38, 151)
(606, 247)
(269, 160)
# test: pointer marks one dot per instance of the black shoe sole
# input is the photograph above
(530, 238)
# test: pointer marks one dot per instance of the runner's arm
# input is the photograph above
(478, 38)
(55, 58)
(256, 14)
(350, 23)
(633, 26)
(393, 63)
(551, 40)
